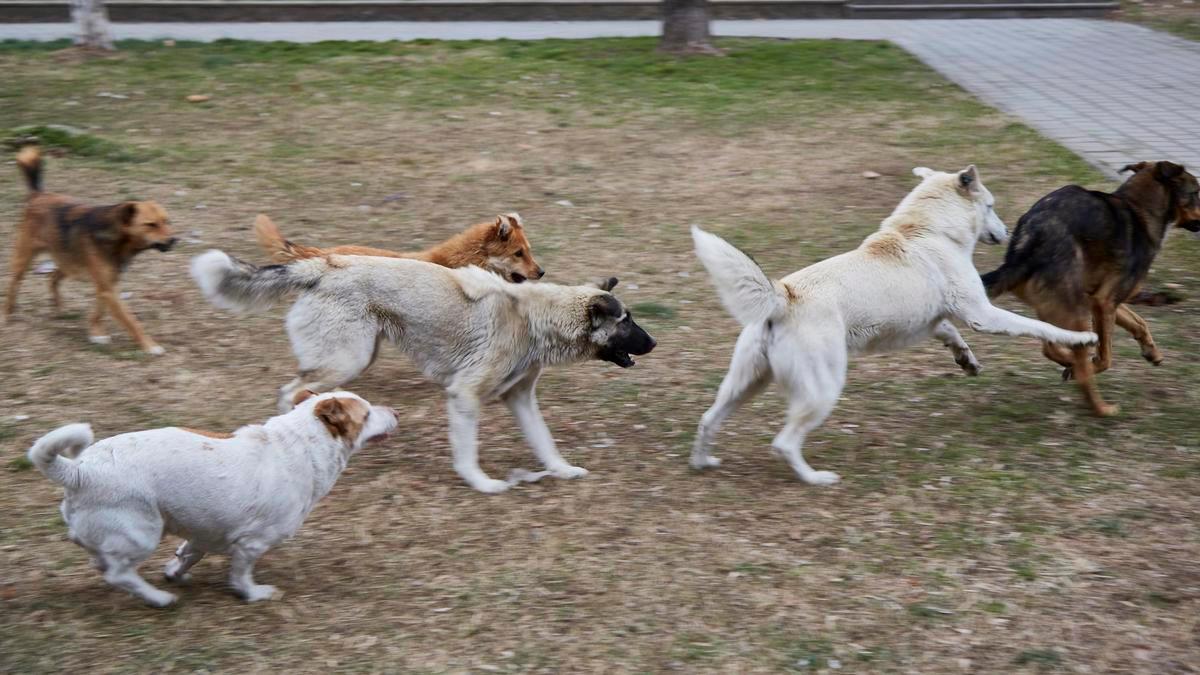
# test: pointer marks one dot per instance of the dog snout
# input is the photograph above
(541, 272)
(167, 245)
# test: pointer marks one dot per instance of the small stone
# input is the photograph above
(870, 174)
(168, 43)
(109, 94)
(198, 98)
(565, 202)
(20, 418)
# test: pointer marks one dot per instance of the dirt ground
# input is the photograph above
(983, 524)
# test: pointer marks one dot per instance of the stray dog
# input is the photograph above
(1079, 255)
(87, 242)
(499, 246)
(901, 286)
(239, 493)
(480, 338)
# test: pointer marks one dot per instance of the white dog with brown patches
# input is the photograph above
(237, 494)
(903, 285)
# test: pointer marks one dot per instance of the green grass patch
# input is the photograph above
(73, 141)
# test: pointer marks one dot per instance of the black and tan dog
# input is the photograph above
(87, 242)
(1079, 255)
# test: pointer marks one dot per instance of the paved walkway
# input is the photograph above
(1113, 92)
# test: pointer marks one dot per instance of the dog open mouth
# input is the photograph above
(1191, 225)
(621, 358)
(516, 277)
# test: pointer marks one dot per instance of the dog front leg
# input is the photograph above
(241, 571)
(953, 340)
(988, 318)
(464, 426)
(1140, 330)
(126, 318)
(522, 401)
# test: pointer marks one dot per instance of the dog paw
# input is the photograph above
(820, 478)
(156, 350)
(701, 462)
(257, 592)
(972, 368)
(171, 572)
(1068, 374)
(1088, 339)
(159, 599)
(490, 486)
(99, 339)
(1108, 410)
(568, 471)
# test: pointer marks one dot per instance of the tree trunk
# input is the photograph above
(685, 28)
(91, 24)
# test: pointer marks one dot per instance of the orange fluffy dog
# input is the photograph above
(499, 246)
(87, 242)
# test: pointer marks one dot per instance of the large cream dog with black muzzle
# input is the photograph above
(903, 285)
(467, 329)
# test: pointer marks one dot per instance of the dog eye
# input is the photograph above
(520, 254)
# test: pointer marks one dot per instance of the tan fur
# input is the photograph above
(207, 434)
(302, 396)
(502, 239)
(100, 242)
(885, 245)
(343, 417)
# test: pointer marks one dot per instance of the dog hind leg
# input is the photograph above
(463, 407)
(185, 556)
(22, 255)
(749, 373)
(812, 373)
(56, 278)
(119, 552)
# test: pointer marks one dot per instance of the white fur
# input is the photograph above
(238, 496)
(801, 331)
(467, 329)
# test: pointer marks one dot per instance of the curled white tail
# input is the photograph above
(54, 454)
(232, 284)
(748, 295)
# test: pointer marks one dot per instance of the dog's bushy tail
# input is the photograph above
(29, 160)
(1002, 279)
(54, 454)
(744, 288)
(235, 285)
(277, 247)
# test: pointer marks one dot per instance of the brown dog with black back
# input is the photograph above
(499, 246)
(86, 242)
(1079, 256)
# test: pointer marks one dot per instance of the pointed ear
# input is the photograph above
(125, 213)
(606, 284)
(302, 396)
(503, 228)
(1168, 170)
(1135, 167)
(923, 171)
(514, 220)
(968, 178)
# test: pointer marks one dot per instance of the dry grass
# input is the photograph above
(983, 525)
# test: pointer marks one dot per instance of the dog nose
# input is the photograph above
(541, 273)
(653, 344)
(171, 242)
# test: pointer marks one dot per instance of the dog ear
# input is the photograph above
(968, 178)
(341, 416)
(923, 171)
(125, 213)
(606, 284)
(1135, 167)
(514, 220)
(1167, 170)
(503, 228)
(604, 307)
(302, 396)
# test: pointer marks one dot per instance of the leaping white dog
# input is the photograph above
(902, 285)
